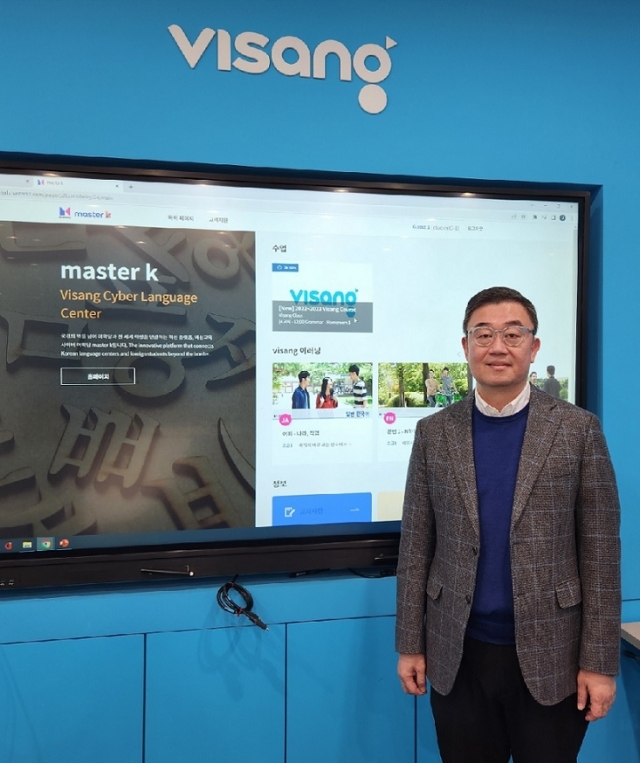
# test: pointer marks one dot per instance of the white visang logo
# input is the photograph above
(253, 58)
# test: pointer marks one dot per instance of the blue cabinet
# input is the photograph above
(72, 701)
(165, 676)
(344, 702)
(216, 695)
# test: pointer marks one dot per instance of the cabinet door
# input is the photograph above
(344, 702)
(215, 695)
(72, 701)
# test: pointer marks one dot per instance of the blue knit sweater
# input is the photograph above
(497, 443)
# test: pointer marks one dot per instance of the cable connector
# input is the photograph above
(256, 620)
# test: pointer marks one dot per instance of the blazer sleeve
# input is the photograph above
(417, 544)
(598, 547)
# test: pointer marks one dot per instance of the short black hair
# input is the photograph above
(354, 369)
(551, 370)
(303, 375)
(494, 296)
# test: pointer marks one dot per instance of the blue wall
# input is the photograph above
(541, 91)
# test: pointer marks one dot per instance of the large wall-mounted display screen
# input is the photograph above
(196, 362)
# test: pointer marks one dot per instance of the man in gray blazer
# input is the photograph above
(509, 569)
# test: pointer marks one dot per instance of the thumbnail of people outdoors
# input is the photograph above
(323, 386)
(422, 385)
(547, 382)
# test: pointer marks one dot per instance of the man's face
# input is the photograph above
(353, 375)
(304, 383)
(499, 368)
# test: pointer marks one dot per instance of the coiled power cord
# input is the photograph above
(226, 602)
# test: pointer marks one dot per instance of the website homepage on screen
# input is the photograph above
(197, 358)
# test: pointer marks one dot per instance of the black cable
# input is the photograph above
(229, 605)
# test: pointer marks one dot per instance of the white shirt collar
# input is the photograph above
(516, 405)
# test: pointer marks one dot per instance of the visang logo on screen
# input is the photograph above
(254, 57)
(67, 214)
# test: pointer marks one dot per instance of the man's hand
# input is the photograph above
(412, 669)
(595, 692)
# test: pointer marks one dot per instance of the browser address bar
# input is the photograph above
(23, 193)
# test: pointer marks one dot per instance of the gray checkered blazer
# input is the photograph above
(564, 540)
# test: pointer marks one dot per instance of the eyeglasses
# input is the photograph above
(512, 336)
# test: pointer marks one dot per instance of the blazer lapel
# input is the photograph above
(542, 425)
(458, 432)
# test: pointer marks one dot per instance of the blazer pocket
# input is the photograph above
(434, 588)
(569, 593)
